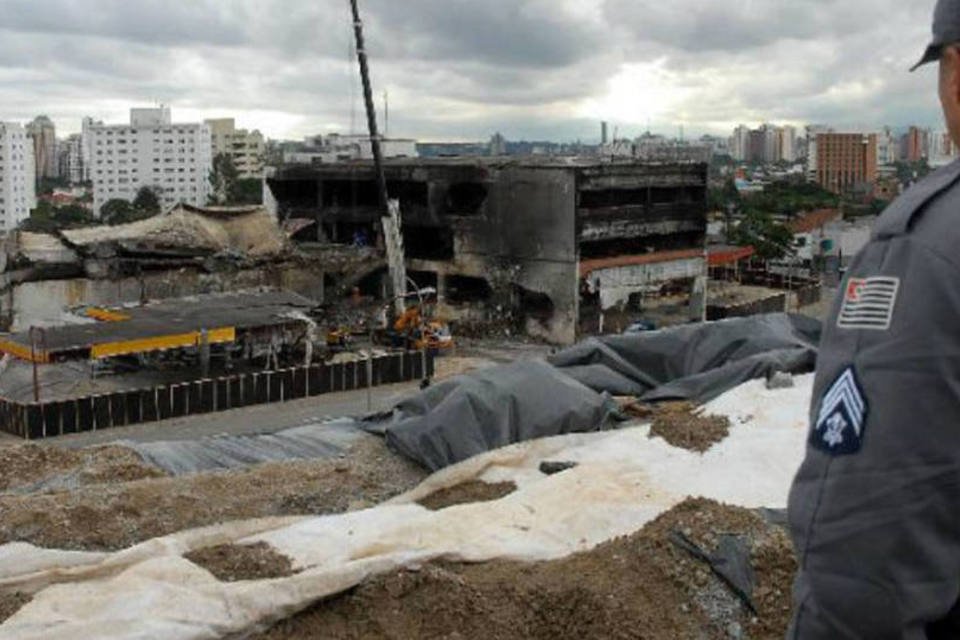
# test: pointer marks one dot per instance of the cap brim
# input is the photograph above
(932, 54)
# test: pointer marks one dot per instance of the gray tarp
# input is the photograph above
(488, 409)
(693, 362)
(491, 408)
(329, 439)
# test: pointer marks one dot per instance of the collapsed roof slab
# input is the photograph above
(170, 324)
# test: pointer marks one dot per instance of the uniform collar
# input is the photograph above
(896, 219)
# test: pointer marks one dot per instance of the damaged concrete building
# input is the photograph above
(540, 243)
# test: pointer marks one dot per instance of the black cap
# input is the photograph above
(946, 30)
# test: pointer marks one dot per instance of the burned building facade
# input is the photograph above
(524, 241)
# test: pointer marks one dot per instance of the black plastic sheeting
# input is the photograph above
(694, 362)
(488, 409)
(730, 562)
(570, 393)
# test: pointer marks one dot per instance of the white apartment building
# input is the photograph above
(247, 148)
(340, 148)
(17, 176)
(152, 151)
(740, 143)
(70, 157)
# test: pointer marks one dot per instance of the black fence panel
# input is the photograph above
(336, 376)
(164, 404)
(178, 400)
(349, 376)
(299, 387)
(148, 405)
(118, 409)
(207, 391)
(51, 419)
(235, 385)
(101, 412)
(29, 420)
(262, 385)
(68, 413)
(222, 395)
(85, 419)
(134, 408)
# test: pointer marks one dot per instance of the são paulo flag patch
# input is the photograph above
(868, 303)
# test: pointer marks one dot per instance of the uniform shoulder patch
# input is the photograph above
(868, 303)
(842, 418)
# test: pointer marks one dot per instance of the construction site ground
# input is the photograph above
(69, 494)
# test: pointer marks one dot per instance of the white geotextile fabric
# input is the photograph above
(623, 480)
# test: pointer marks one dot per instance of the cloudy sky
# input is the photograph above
(463, 69)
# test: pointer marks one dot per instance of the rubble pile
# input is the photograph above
(637, 586)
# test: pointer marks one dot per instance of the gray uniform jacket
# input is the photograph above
(874, 510)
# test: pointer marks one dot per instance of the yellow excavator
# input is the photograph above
(413, 331)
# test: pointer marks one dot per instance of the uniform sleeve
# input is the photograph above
(874, 510)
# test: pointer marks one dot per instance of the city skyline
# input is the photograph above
(529, 69)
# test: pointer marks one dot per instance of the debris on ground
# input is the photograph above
(637, 586)
(633, 408)
(33, 467)
(451, 366)
(233, 563)
(11, 603)
(683, 424)
(549, 467)
(466, 493)
(114, 516)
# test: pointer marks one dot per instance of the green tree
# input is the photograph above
(247, 191)
(46, 218)
(771, 239)
(119, 211)
(147, 202)
(223, 179)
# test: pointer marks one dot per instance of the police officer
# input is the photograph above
(875, 508)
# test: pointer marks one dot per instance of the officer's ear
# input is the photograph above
(950, 76)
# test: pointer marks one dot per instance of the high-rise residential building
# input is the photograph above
(247, 148)
(85, 149)
(771, 141)
(44, 136)
(942, 149)
(915, 145)
(787, 144)
(886, 147)
(813, 131)
(173, 159)
(498, 145)
(846, 161)
(70, 158)
(17, 176)
(740, 143)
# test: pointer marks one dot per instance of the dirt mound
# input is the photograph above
(115, 516)
(34, 467)
(641, 586)
(11, 603)
(474, 491)
(683, 425)
(233, 563)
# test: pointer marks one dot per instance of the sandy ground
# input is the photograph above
(682, 425)
(114, 513)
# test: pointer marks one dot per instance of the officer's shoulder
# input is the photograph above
(928, 209)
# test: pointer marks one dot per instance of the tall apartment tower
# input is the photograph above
(173, 159)
(846, 160)
(44, 136)
(247, 148)
(17, 176)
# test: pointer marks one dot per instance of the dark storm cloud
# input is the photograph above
(466, 68)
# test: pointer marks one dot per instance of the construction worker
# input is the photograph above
(874, 511)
